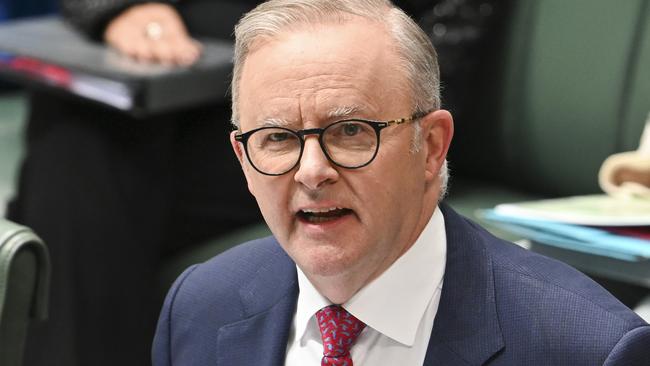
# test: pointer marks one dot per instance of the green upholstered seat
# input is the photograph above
(566, 98)
(24, 286)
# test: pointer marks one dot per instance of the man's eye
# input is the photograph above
(278, 136)
(351, 129)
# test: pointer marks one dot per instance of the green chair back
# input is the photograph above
(575, 87)
(24, 286)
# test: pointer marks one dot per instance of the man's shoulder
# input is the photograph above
(251, 283)
(529, 277)
(547, 312)
(241, 262)
(235, 281)
(521, 275)
(544, 299)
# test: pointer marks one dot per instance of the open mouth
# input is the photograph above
(317, 216)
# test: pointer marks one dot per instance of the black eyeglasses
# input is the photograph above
(350, 144)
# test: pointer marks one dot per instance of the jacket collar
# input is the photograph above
(466, 328)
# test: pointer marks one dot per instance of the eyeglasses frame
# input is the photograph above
(376, 125)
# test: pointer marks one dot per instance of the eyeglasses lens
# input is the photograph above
(350, 144)
(274, 150)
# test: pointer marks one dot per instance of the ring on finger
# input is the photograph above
(153, 31)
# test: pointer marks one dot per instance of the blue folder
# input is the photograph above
(573, 237)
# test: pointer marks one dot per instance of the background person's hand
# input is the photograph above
(152, 32)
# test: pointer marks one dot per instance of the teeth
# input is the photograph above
(320, 210)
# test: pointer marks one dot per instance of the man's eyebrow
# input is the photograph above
(335, 113)
(274, 122)
(343, 112)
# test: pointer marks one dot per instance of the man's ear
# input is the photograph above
(437, 131)
(238, 148)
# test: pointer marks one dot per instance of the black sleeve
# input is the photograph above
(92, 16)
(213, 18)
(203, 18)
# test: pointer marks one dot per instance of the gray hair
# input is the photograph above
(416, 54)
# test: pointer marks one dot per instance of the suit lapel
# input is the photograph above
(466, 328)
(269, 303)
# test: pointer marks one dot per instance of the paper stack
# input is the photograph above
(616, 224)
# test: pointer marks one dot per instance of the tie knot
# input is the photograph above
(339, 330)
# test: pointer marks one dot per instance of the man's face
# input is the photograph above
(334, 221)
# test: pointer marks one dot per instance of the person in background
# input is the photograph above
(115, 196)
(343, 143)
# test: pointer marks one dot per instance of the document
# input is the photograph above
(592, 210)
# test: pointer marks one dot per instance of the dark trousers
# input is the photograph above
(112, 197)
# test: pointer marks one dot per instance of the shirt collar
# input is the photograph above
(394, 303)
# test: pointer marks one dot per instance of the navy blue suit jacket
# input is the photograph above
(500, 305)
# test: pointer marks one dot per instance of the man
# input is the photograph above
(343, 145)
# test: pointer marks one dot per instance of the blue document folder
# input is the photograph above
(579, 238)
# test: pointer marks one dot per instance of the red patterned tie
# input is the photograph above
(339, 330)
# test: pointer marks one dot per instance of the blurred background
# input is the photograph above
(12, 105)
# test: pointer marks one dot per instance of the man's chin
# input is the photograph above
(324, 270)
(324, 263)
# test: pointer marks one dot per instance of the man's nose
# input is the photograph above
(314, 168)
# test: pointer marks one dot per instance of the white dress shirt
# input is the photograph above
(398, 308)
